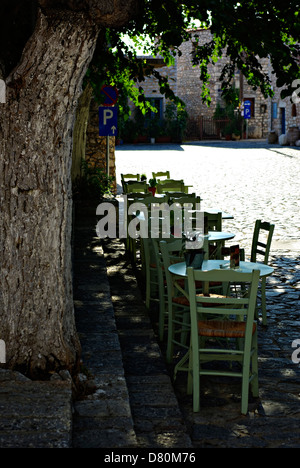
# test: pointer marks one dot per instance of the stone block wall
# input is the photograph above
(151, 86)
(189, 86)
(258, 125)
(284, 110)
(96, 145)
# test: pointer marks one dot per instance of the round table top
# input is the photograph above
(214, 236)
(179, 269)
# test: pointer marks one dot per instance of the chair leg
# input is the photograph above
(148, 288)
(190, 374)
(163, 303)
(196, 385)
(162, 315)
(245, 384)
(170, 345)
(254, 365)
(263, 301)
(181, 364)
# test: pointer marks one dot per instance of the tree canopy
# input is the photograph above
(247, 30)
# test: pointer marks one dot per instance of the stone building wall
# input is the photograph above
(96, 146)
(151, 86)
(184, 79)
(284, 113)
(189, 87)
(258, 125)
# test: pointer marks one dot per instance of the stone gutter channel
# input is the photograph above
(132, 402)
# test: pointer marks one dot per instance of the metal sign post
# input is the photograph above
(108, 117)
(247, 114)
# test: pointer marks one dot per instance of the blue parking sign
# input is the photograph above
(108, 121)
(247, 110)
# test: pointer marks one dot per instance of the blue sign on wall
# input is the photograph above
(108, 121)
(110, 95)
(247, 110)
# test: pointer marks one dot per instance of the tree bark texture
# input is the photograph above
(79, 134)
(36, 298)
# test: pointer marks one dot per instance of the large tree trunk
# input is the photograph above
(36, 301)
(79, 136)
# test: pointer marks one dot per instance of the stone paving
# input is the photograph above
(102, 416)
(34, 414)
(273, 420)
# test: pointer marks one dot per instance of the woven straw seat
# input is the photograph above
(223, 328)
(182, 300)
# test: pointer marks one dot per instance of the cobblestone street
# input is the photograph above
(249, 179)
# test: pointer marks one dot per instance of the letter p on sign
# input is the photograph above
(107, 115)
(108, 121)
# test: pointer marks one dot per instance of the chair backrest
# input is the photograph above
(126, 177)
(166, 174)
(154, 211)
(214, 221)
(174, 195)
(159, 246)
(171, 252)
(149, 199)
(135, 186)
(189, 200)
(265, 230)
(170, 185)
(137, 195)
(202, 306)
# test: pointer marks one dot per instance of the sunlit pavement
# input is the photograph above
(249, 179)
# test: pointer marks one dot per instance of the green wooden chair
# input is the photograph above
(213, 222)
(185, 200)
(231, 339)
(178, 305)
(126, 177)
(132, 244)
(148, 258)
(162, 284)
(132, 186)
(162, 288)
(260, 251)
(149, 270)
(170, 185)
